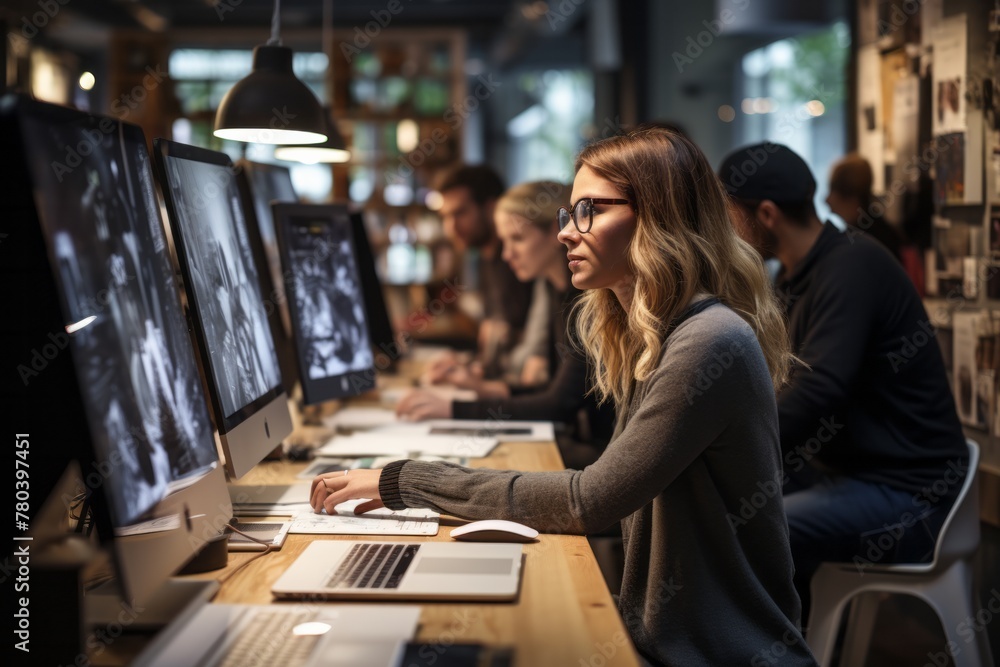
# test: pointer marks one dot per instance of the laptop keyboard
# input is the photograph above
(268, 640)
(373, 565)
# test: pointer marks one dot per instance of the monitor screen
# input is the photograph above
(129, 339)
(326, 301)
(383, 338)
(80, 223)
(208, 212)
(267, 183)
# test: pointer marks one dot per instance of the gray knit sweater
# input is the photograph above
(694, 475)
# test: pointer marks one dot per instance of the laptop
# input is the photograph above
(298, 635)
(403, 571)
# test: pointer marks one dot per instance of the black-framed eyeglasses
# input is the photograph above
(582, 214)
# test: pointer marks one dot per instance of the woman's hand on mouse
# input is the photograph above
(332, 488)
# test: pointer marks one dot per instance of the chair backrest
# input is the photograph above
(959, 535)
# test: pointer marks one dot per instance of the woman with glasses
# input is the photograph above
(526, 225)
(688, 342)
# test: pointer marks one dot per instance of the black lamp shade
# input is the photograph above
(270, 105)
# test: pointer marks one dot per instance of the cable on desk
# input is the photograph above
(268, 548)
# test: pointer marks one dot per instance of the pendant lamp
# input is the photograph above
(271, 105)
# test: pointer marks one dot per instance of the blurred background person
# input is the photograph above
(526, 224)
(469, 195)
(852, 199)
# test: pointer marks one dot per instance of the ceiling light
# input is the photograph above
(271, 105)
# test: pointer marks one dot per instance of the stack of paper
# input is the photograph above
(278, 500)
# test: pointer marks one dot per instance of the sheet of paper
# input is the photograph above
(357, 418)
(501, 430)
(157, 525)
(948, 105)
(407, 444)
(376, 522)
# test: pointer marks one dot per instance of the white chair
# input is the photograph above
(945, 584)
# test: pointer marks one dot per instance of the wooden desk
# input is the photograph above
(563, 616)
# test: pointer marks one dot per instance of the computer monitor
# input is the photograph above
(325, 301)
(114, 384)
(267, 183)
(383, 338)
(208, 212)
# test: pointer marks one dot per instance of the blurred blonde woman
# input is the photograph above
(687, 340)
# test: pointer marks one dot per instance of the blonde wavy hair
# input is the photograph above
(684, 244)
(536, 202)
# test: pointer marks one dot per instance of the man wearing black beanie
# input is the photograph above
(873, 450)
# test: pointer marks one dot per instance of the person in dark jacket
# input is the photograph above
(469, 195)
(871, 441)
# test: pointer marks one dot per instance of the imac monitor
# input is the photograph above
(267, 183)
(85, 225)
(383, 338)
(208, 212)
(326, 303)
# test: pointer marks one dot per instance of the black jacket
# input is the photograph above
(562, 399)
(877, 404)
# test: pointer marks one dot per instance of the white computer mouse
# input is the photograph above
(494, 530)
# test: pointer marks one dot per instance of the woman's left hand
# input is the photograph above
(420, 404)
(332, 488)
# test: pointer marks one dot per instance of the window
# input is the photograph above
(546, 136)
(793, 93)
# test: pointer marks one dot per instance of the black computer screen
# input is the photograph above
(383, 338)
(269, 183)
(325, 301)
(205, 203)
(130, 345)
